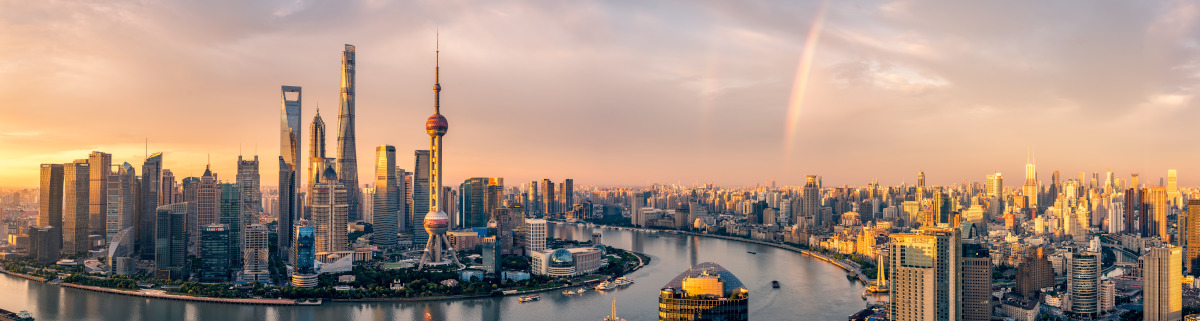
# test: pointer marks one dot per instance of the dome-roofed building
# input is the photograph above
(600, 247)
(704, 292)
(561, 258)
(567, 262)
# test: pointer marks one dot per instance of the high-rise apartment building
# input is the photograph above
(637, 200)
(316, 151)
(231, 216)
(46, 244)
(248, 181)
(404, 188)
(1134, 208)
(170, 244)
(810, 201)
(77, 181)
(1034, 273)
(1191, 223)
(533, 200)
(167, 187)
(479, 197)
(420, 181)
(1172, 185)
(492, 255)
(535, 235)
(289, 157)
(926, 281)
(1162, 288)
(255, 253)
(566, 194)
(387, 202)
(548, 197)
(147, 213)
(1030, 189)
(995, 185)
(208, 205)
(122, 200)
(1083, 283)
(329, 213)
(347, 155)
(101, 165)
(1156, 200)
(305, 248)
(976, 283)
(214, 253)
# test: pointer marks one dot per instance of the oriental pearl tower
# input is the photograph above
(436, 222)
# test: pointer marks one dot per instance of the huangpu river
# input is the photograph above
(810, 290)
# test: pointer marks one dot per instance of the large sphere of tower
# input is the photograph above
(436, 125)
(436, 223)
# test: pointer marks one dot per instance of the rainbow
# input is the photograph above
(800, 84)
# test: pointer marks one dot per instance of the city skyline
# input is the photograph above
(887, 94)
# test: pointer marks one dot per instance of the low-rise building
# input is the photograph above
(1019, 308)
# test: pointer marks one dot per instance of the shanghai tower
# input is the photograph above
(347, 159)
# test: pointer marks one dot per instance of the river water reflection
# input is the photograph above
(810, 290)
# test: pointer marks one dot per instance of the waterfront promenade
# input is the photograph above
(160, 294)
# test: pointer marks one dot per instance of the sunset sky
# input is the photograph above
(618, 92)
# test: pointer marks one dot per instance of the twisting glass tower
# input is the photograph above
(347, 155)
(436, 222)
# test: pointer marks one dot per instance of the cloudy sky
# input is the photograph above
(618, 92)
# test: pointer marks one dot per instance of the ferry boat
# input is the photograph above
(529, 298)
(568, 292)
(623, 281)
(606, 286)
(580, 290)
(775, 284)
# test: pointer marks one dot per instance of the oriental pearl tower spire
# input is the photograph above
(436, 222)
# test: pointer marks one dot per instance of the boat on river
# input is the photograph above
(775, 284)
(605, 286)
(529, 298)
(623, 281)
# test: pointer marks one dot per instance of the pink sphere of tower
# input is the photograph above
(436, 125)
(436, 223)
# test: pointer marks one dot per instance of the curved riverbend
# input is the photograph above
(810, 288)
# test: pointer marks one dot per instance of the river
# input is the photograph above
(810, 290)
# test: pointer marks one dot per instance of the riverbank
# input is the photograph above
(158, 294)
(847, 266)
(165, 296)
(843, 265)
(23, 276)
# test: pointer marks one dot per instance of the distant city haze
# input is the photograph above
(733, 93)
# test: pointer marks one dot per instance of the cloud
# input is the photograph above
(613, 92)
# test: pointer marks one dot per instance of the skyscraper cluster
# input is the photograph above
(93, 204)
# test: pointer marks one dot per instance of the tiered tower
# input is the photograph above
(436, 222)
